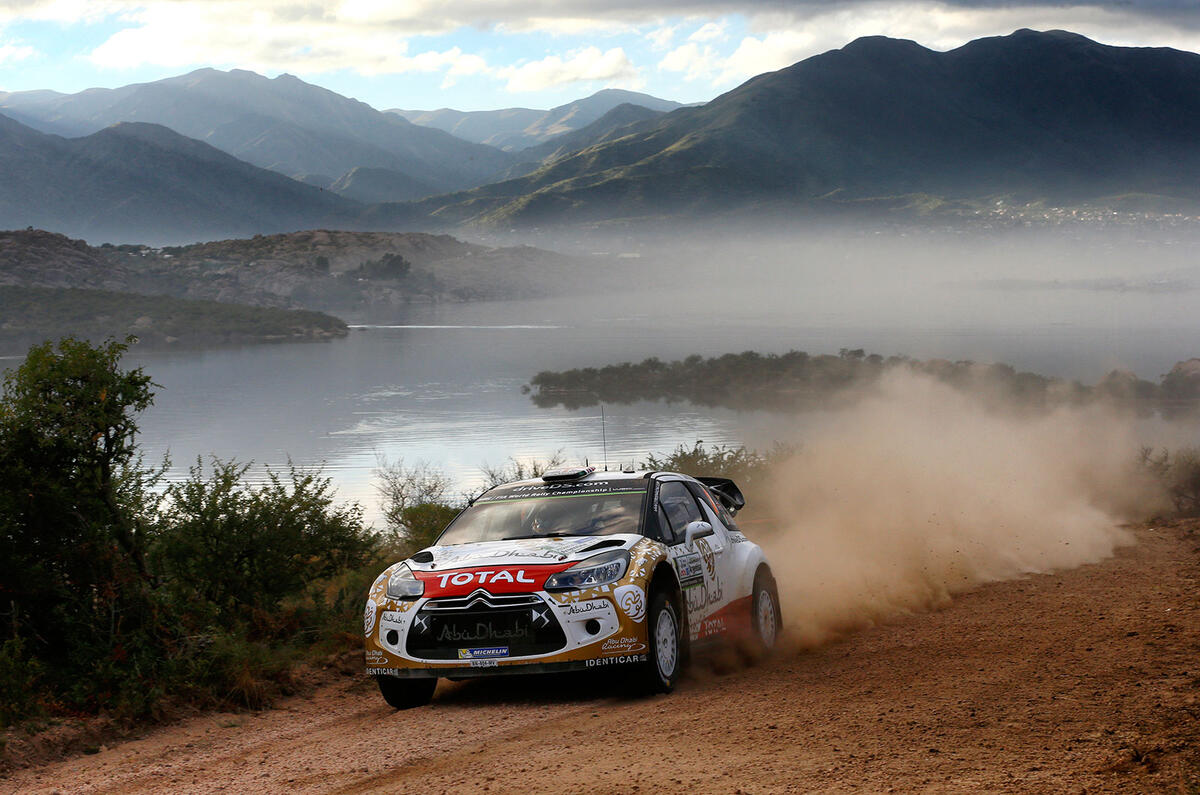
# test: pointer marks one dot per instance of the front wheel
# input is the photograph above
(667, 645)
(406, 693)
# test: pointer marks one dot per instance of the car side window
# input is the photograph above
(657, 526)
(705, 496)
(679, 507)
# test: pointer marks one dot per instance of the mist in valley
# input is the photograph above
(442, 382)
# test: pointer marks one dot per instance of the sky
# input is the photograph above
(485, 54)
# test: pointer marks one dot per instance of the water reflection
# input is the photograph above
(442, 384)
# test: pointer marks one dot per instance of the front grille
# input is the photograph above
(482, 599)
(522, 623)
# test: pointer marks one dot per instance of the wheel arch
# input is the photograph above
(664, 577)
(752, 561)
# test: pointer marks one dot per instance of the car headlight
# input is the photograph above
(597, 570)
(403, 585)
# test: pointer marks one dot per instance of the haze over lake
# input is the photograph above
(442, 383)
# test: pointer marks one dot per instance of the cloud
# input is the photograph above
(775, 50)
(780, 38)
(11, 52)
(661, 38)
(783, 39)
(588, 64)
(429, 16)
(693, 61)
(66, 11)
(373, 37)
(186, 33)
(709, 31)
(436, 17)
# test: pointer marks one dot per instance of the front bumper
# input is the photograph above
(458, 672)
(486, 634)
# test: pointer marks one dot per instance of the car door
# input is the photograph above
(730, 566)
(695, 564)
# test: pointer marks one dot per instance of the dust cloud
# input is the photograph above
(918, 491)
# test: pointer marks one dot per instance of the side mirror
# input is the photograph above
(696, 530)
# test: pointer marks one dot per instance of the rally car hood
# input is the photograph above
(518, 552)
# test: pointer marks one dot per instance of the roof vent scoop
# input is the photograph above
(565, 474)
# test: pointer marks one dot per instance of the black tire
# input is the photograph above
(666, 644)
(406, 693)
(765, 617)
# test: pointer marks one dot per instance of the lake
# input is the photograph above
(442, 383)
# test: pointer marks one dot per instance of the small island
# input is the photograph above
(798, 380)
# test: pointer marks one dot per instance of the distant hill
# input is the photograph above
(145, 182)
(341, 271)
(284, 124)
(35, 314)
(617, 123)
(1031, 115)
(34, 257)
(325, 270)
(514, 129)
(370, 185)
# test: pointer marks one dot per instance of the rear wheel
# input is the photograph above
(667, 645)
(406, 693)
(765, 616)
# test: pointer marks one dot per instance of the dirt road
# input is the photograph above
(1080, 681)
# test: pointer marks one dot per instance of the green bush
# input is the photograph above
(424, 522)
(19, 675)
(116, 593)
(230, 545)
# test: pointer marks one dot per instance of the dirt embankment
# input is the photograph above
(1081, 681)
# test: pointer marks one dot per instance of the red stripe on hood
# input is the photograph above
(493, 579)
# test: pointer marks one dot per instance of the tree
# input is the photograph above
(73, 577)
(389, 267)
(414, 502)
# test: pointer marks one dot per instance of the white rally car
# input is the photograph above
(577, 569)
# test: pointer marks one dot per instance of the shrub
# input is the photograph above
(115, 593)
(517, 469)
(1179, 474)
(231, 545)
(424, 522)
(748, 468)
(18, 681)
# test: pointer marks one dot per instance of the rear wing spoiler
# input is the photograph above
(726, 491)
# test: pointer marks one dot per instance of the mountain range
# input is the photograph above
(283, 124)
(513, 129)
(137, 181)
(1033, 116)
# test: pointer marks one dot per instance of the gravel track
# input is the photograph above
(1079, 681)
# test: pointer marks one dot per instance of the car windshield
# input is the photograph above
(594, 508)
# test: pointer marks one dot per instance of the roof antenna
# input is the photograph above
(604, 437)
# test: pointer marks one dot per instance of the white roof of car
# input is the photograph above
(598, 475)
